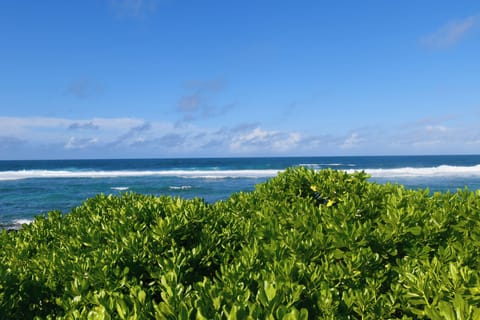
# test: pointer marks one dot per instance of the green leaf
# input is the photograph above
(141, 296)
(270, 290)
(98, 313)
(121, 308)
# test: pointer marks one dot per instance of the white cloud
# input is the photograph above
(436, 128)
(250, 140)
(14, 122)
(290, 142)
(80, 143)
(353, 140)
(258, 140)
(116, 124)
(449, 34)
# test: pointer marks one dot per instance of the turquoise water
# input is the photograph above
(29, 188)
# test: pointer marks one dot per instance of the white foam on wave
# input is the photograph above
(426, 172)
(119, 188)
(207, 174)
(180, 187)
(19, 222)
(405, 172)
(14, 224)
(325, 165)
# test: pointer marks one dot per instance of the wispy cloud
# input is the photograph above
(429, 135)
(85, 125)
(136, 135)
(134, 8)
(449, 34)
(171, 140)
(212, 85)
(84, 88)
(43, 128)
(189, 103)
(198, 102)
(7, 142)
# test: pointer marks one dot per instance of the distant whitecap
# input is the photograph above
(119, 188)
(180, 187)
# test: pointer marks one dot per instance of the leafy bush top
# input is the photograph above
(303, 245)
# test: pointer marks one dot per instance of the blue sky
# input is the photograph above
(178, 78)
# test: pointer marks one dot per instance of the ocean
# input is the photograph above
(35, 187)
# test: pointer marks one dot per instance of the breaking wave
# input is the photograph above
(14, 224)
(404, 172)
(427, 172)
(206, 174)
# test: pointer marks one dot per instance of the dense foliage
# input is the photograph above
(303, 245)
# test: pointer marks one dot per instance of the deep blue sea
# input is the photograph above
(30, 188)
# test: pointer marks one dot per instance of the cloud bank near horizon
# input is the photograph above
(130, 137)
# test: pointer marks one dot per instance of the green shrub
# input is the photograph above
(303, 245)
